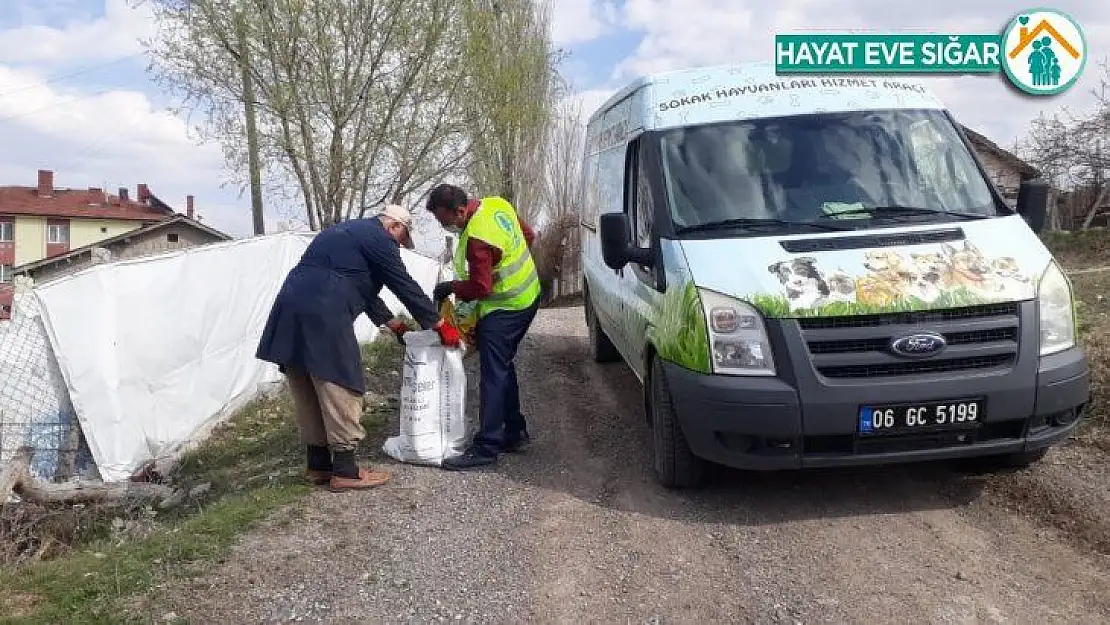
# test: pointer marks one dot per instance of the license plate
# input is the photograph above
(920, 416)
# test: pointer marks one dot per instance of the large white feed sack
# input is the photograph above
(433, 402)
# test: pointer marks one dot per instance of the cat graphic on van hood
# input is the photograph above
(989, 265)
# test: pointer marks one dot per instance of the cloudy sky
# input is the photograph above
(75, 98)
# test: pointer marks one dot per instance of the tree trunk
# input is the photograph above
(1093, 211)
(16, 478)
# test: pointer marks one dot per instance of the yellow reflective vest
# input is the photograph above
(516, 285)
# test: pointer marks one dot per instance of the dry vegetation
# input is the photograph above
(1086, 256)
(1068, 149)
(96, 563)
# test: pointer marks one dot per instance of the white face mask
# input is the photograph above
(453, 229)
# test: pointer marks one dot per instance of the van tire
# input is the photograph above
(601, 348)
(675, 465)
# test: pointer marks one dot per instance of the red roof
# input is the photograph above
(75, 203)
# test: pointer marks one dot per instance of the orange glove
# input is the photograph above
(398, 328)
(448, 333)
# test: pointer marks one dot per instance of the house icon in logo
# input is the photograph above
(1026, 37)
(1045, 51)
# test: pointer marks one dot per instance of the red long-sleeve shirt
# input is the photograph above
(481, 258)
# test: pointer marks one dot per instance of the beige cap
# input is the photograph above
(401, 214)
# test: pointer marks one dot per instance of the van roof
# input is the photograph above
(702, 95)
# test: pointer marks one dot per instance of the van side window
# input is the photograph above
(609, 176)
(637, 196)
(645, 208)
(590, 193)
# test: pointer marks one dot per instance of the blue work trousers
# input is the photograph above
(500, 419)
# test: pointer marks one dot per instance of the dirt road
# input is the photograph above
(575, 530)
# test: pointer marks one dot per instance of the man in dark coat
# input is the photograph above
(310, 335)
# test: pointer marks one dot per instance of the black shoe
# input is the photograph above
(516, 443)
(470, 459)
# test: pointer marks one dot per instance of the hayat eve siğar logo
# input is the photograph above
(1044, 51)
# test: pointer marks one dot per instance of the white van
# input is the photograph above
(817, 272)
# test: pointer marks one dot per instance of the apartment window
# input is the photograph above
(57, 234)
(171, 237)
(7, 231)
(5, 274)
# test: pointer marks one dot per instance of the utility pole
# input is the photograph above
(252, 129)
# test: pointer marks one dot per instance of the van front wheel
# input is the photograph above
(675, 465)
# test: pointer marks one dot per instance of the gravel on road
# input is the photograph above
(576, 530)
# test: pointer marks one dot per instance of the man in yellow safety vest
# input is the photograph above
(493, 268)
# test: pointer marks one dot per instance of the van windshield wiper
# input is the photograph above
(892, 211)
(746, 222)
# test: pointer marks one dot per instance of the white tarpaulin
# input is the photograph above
(157, 350)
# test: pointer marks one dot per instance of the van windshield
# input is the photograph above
(862, 165)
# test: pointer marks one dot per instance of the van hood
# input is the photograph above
(886, 270)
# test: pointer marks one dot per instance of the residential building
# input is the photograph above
(44, 221)
(177, 232)
(1005, 168)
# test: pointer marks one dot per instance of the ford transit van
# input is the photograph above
(818, 272)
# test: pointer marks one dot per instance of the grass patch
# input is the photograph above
(250, 468)
(778, 306)
(1092, 293)
(1079, 250)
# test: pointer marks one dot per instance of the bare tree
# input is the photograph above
(1045, 147)
(565, 145)
(354, 97)
(510, 68)
(557, 248)
(1072, 152)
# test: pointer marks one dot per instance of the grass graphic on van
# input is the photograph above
(886, 280)
(679, 332)
(774, 305)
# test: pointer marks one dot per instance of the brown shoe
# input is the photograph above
(317, 478)
(367, 478)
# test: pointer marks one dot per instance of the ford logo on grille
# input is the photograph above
(920, 345)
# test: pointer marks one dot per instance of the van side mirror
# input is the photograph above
(616, 242)
(1032, 203)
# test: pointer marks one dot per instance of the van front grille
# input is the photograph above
(978, 338)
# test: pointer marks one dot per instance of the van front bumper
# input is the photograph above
(764, 423)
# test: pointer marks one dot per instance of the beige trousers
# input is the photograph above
(327, 413)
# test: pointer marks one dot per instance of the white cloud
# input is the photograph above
(576, 21)
(106, 138)
(114, 35)
(116, 138)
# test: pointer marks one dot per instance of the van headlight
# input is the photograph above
(738, 342)
(1055, 311)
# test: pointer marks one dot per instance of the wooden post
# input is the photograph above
(252, 130)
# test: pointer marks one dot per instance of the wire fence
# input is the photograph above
(35, 407)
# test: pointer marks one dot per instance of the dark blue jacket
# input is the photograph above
(339, 276)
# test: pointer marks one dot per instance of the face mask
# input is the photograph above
(453, 229)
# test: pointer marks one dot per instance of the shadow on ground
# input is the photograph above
(591, 441)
